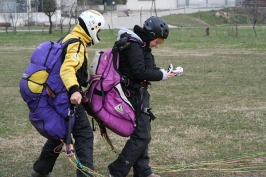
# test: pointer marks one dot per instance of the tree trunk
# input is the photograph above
(51, 24)
(69, 24)
(254, 29)
(236, 27)
(61, 28)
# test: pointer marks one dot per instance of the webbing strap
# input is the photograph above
(71, 113)
(106, 137)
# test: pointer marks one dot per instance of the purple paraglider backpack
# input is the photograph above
(107, 103)
(43, 90)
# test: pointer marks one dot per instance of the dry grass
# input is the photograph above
(214, 112)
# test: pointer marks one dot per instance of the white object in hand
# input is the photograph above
(179, 70)
(170, 68)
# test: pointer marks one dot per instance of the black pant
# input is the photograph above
(135, 152)
(83, 135)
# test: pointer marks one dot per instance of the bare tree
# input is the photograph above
(255, 14)
(29, 18)
(72, 14)
(63, 8)
(11, 18)
(235, 19)
(49, 7)
(153, 6)
(67, 11)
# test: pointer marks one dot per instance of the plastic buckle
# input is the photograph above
(146, 110)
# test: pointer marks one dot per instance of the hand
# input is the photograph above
(75, 98)
(170, 75)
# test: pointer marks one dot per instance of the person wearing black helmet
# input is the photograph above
(137, 67)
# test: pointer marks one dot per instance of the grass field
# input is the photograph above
(210, 120)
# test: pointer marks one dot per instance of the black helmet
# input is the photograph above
(156, 27)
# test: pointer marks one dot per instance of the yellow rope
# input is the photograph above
(243, 164)
(91, 172)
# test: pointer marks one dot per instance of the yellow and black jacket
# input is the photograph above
(73, 71)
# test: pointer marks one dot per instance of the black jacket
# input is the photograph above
(137, 64)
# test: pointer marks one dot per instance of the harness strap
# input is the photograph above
(106, 137)
(132, 84)
(69, 145)
(148, 111)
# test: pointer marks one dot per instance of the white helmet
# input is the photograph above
(93, 21)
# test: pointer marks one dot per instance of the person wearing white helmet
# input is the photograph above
(73, 73)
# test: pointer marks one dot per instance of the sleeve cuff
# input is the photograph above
(73, 89)
(164, 74)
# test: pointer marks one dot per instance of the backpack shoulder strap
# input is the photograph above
(69, 41)
(125, 40)
(66, 43)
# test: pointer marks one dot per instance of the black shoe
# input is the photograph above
(35, 174)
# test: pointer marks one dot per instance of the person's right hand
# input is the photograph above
(170, 75)
(75, 98)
